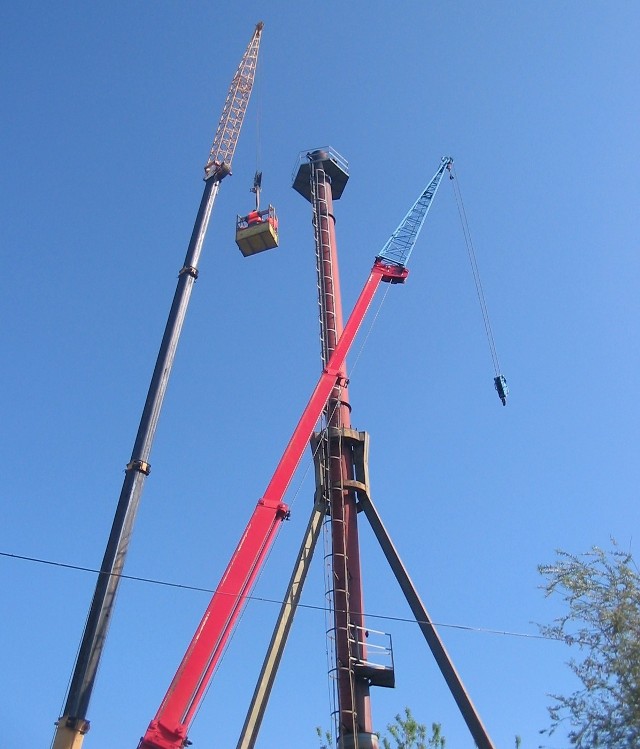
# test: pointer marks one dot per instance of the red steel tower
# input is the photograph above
(322, 180)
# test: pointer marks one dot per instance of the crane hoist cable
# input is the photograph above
(258, 91)
(499, 380)
(257, 231)
(257, 179)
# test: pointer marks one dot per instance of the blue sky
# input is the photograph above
(109, 113)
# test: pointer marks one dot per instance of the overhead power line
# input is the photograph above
(263, 599)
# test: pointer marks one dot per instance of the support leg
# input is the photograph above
(454, 682)
(272, 659)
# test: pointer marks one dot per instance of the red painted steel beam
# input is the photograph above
(302, 433)
(169, 728)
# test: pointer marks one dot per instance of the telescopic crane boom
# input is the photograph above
(169, 728)
(73, 725)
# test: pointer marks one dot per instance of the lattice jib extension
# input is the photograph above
(226, 137)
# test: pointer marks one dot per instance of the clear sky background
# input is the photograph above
(108, 116)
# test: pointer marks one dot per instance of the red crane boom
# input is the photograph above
(168, 730)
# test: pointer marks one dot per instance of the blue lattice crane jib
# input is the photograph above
(400, 244)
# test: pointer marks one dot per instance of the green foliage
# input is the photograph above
(407, 733)
(601, 595)
(404, 733)
(324, 737)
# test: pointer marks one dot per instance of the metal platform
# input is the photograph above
(335, 166)
(257, 232)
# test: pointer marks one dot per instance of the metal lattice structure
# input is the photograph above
(400, 244)
(226, 137)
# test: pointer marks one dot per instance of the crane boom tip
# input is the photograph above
(259, 25)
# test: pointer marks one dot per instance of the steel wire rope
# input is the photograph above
(291, 504)
(275, 601)
(475, 271)
(243, 609)
(248, 597)
(257, 580)
(369, 330)
(62, 704)
(258, 85)
(309, 463)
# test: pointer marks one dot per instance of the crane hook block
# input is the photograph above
(501, 386)
(257, 231)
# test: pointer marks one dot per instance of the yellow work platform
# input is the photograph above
(257, 232)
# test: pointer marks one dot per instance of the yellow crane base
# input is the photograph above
(70, 733)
